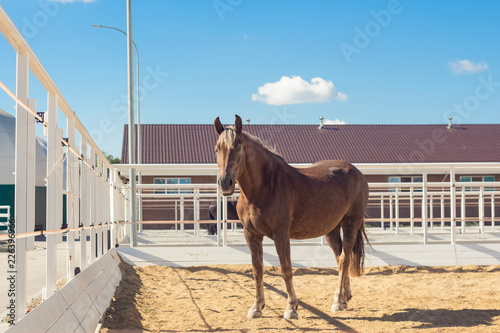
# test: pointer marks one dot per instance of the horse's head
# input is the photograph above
(230, 156)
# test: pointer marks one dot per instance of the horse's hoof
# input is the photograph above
(338, 307)
(290, 314)
(254, 313)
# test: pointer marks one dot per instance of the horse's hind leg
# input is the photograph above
(342, 295)
(255, 245)
(335, 241)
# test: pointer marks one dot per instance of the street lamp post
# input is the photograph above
(139, 139)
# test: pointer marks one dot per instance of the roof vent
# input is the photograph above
(321, 125)
(248, 121)
(450, 125)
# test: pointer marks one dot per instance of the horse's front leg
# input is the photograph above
(282, 243)
(254, 243)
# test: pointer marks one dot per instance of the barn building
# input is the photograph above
(391, 145)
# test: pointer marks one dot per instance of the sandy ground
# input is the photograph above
(385, 299)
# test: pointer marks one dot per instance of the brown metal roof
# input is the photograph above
(165, 144)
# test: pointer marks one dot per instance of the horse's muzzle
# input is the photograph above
(227, 186)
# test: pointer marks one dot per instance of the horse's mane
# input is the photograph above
(229, 135)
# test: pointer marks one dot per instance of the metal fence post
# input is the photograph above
(93, 212)
(107, 210)
(396, 203)
(181, 213)
(175, 215)
(390, 213)
(219, 200)
(224, 209)
(21, 184)
(481, 209)
(99, 209)
(198, 211)
(30, 172)
(71, 198)
(442, 211)
(52, 197)
(431, 212)
(424, 205)
(381, 212)
(195, 213)
(452, 206)
(462, 210)
(412, 211)
(492, 212)
(113, 202)
(85, 203)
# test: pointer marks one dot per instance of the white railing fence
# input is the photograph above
(417, 209)
(450, 206)
(77, 172)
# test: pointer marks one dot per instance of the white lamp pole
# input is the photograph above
(139, 136)
(131, 125)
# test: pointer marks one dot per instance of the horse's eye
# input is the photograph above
(216, 149)
(238, 148)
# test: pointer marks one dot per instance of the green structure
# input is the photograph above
(7, 167)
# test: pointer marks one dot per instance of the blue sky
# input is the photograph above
(275, 62)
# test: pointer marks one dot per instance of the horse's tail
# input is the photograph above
(357, 262)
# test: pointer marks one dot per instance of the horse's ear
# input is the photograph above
(218, 126)
(237, 123)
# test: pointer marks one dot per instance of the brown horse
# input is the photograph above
(282, 202)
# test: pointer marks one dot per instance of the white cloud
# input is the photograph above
(73, 1)
(466, 66)
(334, 122)
(245, 36)
(295, 90)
